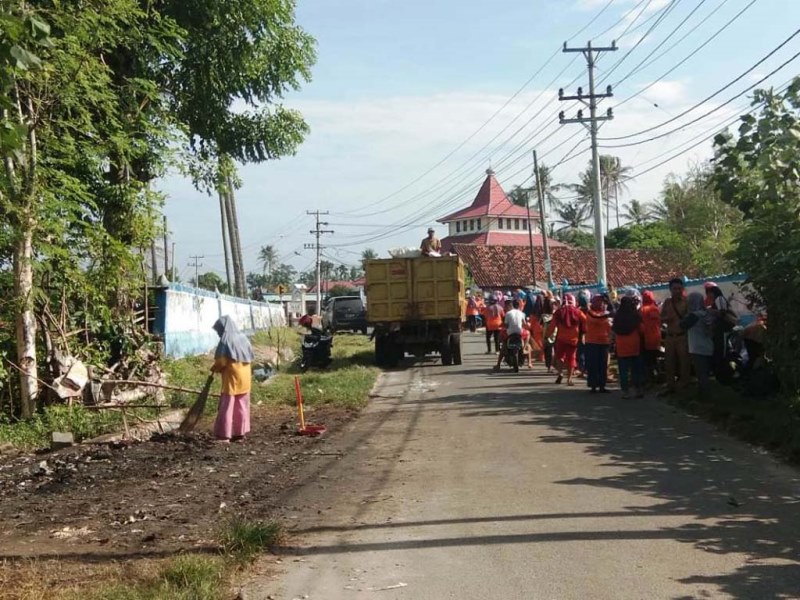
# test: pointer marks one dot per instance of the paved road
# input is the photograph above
(458, 483)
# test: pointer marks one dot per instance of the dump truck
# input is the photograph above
(416, 306)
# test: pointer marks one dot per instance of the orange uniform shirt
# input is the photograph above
(651, 323)
(493, 315)
(568, 335)
(629, 345)
(598, 328)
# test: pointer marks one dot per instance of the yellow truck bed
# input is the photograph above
(415, 289)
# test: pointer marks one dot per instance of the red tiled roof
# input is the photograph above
(490, 201)
(329, 284)
(510, 266)
(497, 238)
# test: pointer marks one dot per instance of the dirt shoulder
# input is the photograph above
(150, 499)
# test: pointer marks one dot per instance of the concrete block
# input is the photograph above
(62, 439)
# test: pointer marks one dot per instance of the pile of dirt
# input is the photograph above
(151, 498)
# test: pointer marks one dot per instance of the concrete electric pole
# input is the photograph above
(591, 123)
(196, 264)
(318, 232)
(548, 265)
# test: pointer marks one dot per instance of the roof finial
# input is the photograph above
(490, 171)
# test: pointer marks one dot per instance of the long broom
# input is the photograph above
(196, 412)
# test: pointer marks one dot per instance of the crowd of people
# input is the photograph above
(576, 336)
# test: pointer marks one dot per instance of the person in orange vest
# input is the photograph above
(567, 322)
(598, 341)
(651, 325)
(628, 331)
(493, 316)
(473, 310)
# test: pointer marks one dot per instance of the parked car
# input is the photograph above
(345, 313)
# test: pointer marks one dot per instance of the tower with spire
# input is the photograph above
(492, 220)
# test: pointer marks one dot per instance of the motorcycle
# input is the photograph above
(514, 351)
(316, 348)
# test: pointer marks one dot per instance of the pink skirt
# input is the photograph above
(233, 416)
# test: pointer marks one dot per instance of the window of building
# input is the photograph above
(458, 226)
(500, 223)
(516, 223)
(479, 224)
(472, 224)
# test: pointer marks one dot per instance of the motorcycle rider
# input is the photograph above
(513, 324)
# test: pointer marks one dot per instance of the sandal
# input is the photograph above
(559, 379)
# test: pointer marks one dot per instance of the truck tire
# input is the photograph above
(447, 352)
(394, 352)
(380, 350)
(455, 348)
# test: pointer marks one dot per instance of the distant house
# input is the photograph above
(509, 267)
(493, 220)
(328, 284)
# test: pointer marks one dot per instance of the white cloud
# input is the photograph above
(665, 93)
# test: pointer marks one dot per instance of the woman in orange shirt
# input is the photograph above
(232, 360)
(473, 310)
(598, 340)
(567, 321)
(651, 324)
(628, 330)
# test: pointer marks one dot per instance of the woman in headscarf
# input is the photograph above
(651, 325)
(584, 298)
(598, 340)
(699, 324)
(232, 360)
(493, 315)
(568, 322)
(628, 331)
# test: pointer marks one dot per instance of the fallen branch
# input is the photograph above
(162, 386)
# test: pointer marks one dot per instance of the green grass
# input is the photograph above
(345, 383)
(772, 422)
(196, 576)
(185, 577)
(243, 540)
(84, 423)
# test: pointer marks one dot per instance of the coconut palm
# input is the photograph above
(267, 256)
(572, 216)
(612, 179)
(637, 213)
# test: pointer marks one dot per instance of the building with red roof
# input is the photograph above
(492, 220)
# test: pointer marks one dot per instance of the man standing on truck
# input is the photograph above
(430, 243)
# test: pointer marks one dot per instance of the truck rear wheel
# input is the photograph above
(455, 348)
(381, 348)
(447, 352)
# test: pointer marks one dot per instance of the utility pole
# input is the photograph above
(591, 123)
(530, 236)
(196, 264)
(153, 261)
(318, 248)
(166, 248)
(548, 265)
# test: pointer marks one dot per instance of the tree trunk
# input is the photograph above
(236, 245)
(26, 320)
(225, 237)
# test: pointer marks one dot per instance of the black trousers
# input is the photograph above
(493, 334)
(472, 322)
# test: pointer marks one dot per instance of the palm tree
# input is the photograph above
(367, 254)
(583, 191)
(612, 179)
(572, 216)
(637, 213)
(267, 256)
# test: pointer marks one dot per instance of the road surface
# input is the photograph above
(460, 483)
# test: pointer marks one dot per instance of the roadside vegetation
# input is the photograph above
(191, 576)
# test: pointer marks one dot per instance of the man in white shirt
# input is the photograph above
(514, 323)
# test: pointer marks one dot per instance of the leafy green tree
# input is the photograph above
(520, 195)
(576, 238)
(758, 173)
(211, 281)
(654, 236)
(342, 272)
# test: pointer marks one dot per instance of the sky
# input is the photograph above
(411, 101)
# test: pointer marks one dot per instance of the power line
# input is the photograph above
(701, 117)
(717, 93)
